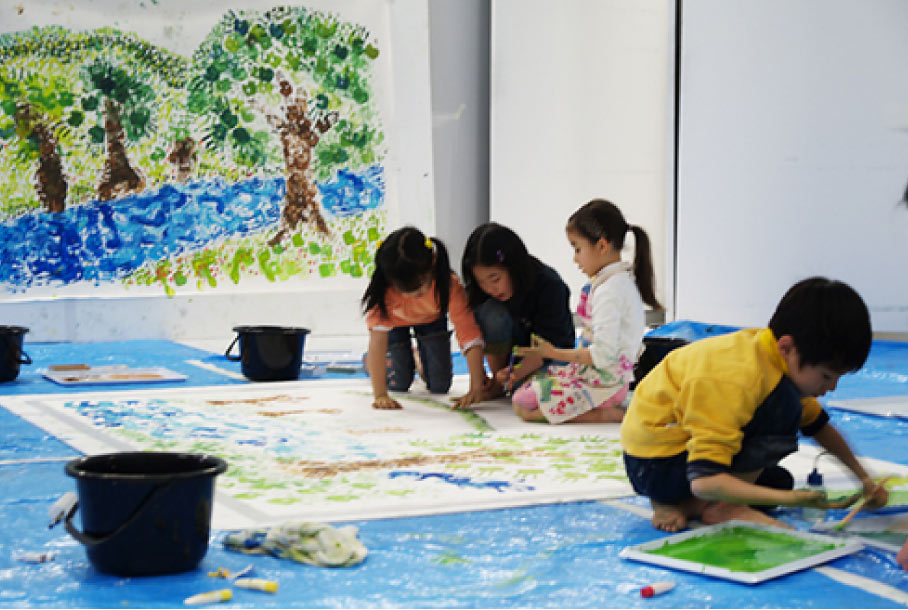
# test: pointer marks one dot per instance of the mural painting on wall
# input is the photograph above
(256, 158)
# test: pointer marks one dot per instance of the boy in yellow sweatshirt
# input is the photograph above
(714, 414)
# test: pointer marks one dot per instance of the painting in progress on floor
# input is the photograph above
(319, 451)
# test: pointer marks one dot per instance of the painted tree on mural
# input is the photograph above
(122, 101)
(35, 116)
(65, 93)
(300, 75)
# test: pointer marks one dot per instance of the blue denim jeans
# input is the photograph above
(433, 341)
(499, 331)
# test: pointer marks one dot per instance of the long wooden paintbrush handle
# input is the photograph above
(857, 507)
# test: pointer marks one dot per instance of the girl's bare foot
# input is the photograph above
(668, 517)
(606, 415)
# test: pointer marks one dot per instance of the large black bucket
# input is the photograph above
(11, 354)
(144, 513)
(269, 353)
(654, 350)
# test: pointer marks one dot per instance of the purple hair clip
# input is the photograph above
(500, 256)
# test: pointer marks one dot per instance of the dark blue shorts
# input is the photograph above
(663, 480)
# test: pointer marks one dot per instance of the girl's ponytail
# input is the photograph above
(442, 273)
(643, 267)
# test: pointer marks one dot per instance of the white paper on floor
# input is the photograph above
(317, 450)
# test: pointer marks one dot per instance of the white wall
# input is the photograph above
(582, 107)
(793, 155)
(459, 43)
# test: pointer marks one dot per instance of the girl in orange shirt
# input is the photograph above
(413, 290)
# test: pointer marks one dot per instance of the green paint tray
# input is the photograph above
(742, 551)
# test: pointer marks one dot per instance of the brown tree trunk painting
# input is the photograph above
(119, 178)
(50, 183)
(183, 157)
(299, 135)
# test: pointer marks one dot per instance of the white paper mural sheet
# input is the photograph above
(319, 451)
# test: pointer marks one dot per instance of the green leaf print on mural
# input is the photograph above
(602, 467)
(530, 472)
(285, 501)
(563, 466)
(399, 492)
(363, 485)
(450, 558)
(247, 495)
(347, 498)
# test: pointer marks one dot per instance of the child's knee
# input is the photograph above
(435, 354)
(400, 367)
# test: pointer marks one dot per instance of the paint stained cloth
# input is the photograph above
(308, 542)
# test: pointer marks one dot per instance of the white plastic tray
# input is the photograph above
(844, 546)
(114, 374)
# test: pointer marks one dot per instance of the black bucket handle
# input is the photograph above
(230, 347)
(22, 358)
(89, 540)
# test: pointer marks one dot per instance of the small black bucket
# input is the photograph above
(269, 353)
(11, 354)
(654, 350)
(144, 513)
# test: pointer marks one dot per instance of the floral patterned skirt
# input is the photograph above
(565, 391)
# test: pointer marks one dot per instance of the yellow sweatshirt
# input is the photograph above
(701, 395)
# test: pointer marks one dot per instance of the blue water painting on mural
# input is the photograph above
(447, 477)
(108, 240)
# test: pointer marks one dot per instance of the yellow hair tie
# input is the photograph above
(429, 243)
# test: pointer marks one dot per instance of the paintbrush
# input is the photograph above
(857, 508)
(508, 389)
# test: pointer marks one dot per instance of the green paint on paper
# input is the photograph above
(742, 549)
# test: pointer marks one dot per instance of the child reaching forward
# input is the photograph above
(713, 415)
(592, 384)
(514, 295)
(413, 287)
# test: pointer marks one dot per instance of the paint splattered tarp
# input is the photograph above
(318, 451)
(137, 354)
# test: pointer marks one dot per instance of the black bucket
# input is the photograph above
(144, 513)
(11, 354)
(654, 350)
(269, 353)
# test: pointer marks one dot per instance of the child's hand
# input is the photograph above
(538, 347)
(491, 389)
(876, 494)
(385, 402)
(470, 398)
(506, 381)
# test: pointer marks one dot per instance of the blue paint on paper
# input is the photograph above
(105, 241)
(461, 481)
(350, 193)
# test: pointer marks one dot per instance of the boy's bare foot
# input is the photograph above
(668, 517)
(719, 512)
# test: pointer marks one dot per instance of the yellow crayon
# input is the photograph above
(259, 584)
(210, 597)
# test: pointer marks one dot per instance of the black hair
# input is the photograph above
(828, 321)
(490, 245)
(601, 219)
(406, 259)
